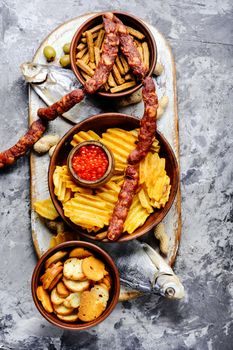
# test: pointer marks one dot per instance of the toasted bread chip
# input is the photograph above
(80, 253)
(62, 290)
(90, 308)
(55, 297)
(50, 274)
(102, 294)
(55, 258)
(93, 268)
(106, 281)
(73, 300)
(73, 269)
(76, 286)
(68, 318)
(43, 296)
(62, 309)
(55, 281)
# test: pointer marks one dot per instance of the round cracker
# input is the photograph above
(80, 253)
(62, 290)
(76, 286)
(55, 297)
(43, 296)
(68, 318)
(89, 308)
(55, 258)
(73, 300)
(62, 310)
(73, 269)
(93, 268)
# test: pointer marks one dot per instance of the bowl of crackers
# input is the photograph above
(88, 210)
(75, 285)
(86, 48)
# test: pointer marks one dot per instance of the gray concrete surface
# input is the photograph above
(200, 33)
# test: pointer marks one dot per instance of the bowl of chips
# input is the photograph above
(86, 49)
(88, 211)
(75, 285)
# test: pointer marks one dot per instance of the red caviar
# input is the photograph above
(90, 162)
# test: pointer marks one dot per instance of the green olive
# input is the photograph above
(66, 48)
(65, 61)
(49, 53)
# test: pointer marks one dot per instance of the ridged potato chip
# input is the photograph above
(84, 136)
(46, 209)
(136, 217)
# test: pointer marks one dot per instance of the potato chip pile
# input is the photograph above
(92, 209)
(75, 287)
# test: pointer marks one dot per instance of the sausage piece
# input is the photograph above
(147, 123)
(58, 108)
(130, 50)
(107, 59)
(34, 133)
(123, 204)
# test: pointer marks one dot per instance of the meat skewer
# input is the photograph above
(124, 202)
(58, 108)
(147, 124)
(107, 59)
(145, 140)
(130, 50)
(34, 133)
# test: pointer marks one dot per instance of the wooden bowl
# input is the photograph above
(103, 179)
(114, 292)
(99, 123)
(127, 19)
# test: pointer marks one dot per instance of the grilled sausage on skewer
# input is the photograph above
(124, 202)
(58, 108)
(130, 50)
(107, 59)
(34, 133)
(147, 124)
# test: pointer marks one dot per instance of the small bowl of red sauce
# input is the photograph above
(91, 163)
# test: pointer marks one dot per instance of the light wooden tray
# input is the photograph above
(168, 125)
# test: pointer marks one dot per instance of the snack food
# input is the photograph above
(70, 298)
(100, 63)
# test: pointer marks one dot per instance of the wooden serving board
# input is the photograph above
(168, 125)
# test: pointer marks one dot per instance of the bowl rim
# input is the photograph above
(154, 53)
(109, 262)
(104, 178)
(58, 206)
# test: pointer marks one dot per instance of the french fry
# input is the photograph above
(85, 67)
(111, 81)
(90, 45)
(129, 77)
(124, 86)
(100, 38)
(124, 63)
(81, 46)
(97, 55)
(84, 39)
(120, 66)
(117, 75)
(146, 54)
(85, 58)
(81, 53)
(92, 65)
(94, 29)
(46, 209)
(85, 75)
(140, 50)
(135, 33)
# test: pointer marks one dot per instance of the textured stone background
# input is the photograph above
(201, 35)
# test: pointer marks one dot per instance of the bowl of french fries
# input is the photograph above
(75, 285)
(86, 48)
(88, 211)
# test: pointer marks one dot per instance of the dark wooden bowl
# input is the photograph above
(107, 175)
(99, 123)
(127, 19)
(114, 292)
